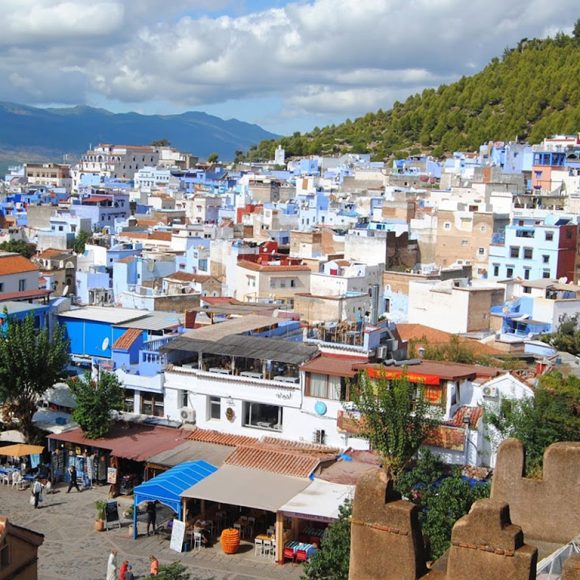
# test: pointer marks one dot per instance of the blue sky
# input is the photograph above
(287, 66)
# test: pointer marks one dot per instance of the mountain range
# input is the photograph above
(48, 134)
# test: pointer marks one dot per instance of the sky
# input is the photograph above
(287, 66)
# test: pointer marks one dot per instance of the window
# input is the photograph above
(509, 271)
(496, 269)
(514, 251)
(546, 274)
(325, 387)
(526, 273)
(481, 251)
(129, 399)
(447, 226)
(22, 285)
(387, 304)
(1, 286)
(549, 236)
(545, 259)
(292, 283)
(262, 416)
(464, 242)
(215, 408)
(527, 290)
(251, 281)
(183, 398)
(568, 234)
(528, 253)
(152, 404)
(482, 228)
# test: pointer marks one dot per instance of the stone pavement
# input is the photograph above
(72, 547)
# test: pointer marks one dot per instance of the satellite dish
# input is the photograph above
(65, 290)
(105, 344)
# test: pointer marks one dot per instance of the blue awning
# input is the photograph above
(168, 486)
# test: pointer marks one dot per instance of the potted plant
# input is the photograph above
(100, 520)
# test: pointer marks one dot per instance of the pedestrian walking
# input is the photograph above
(36, 491)
(123, 570)
(154, 567)
(129, 574)
(73, 479)
(152, 516)
(112, 566)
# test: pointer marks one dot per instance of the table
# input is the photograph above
(286, 379)
(220, 370)
(251, 374)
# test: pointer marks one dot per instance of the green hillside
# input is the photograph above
(531, 92)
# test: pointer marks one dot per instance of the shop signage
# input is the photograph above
(111, 475)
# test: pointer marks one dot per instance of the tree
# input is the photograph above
(161, 143)
(213, 157)
(576, 32)
(442, 498)
(31, 361)
(395, 417)
(566, 338)
(173, 571)
(19, 247)
(332, 560)
(80, 241)
(443, 506)
(552, 415)
(95, 401)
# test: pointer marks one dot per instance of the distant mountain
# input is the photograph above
(34, 133)
(532, 91)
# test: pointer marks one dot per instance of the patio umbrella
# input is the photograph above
(21, 449)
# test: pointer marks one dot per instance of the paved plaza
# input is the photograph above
(73, 549)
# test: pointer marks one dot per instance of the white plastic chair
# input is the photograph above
(5, 478)
(273, 550)
(16, 479)
(197, 540)
(258, 547)
(267, 548)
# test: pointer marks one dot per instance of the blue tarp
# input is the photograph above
(167, 487)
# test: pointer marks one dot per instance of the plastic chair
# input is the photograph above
(251, 525)
(258, 547)
(5, 478)
(301, 555)
(273, 550)
(266, 548)
(197, 540)
(16, 479)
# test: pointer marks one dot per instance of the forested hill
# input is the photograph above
(531, 92)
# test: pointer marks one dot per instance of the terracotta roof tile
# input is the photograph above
(52, 253)
(281, 462)
(222, 438)
(421, 334)
(333, 365)
(313, 449)
(474, 414)
(187, 277)
(14, 264)
(266, 268)
(126, 260)
(127, 339)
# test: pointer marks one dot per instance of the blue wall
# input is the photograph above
(87, 336)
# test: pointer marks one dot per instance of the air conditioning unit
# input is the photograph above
(382, 352)
(490, 391)
(187, 415)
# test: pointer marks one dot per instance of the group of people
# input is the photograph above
(125, 572)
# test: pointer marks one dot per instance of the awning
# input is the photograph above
(167, 487)
(193, 450)
(12, 436)
(319, 501)
(247, 347)
(248, 487)
(128, 440)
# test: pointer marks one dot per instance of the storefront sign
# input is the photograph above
(111, 475)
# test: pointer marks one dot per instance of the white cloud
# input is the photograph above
(335, 57)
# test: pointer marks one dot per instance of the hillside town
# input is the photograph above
(237, 303)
